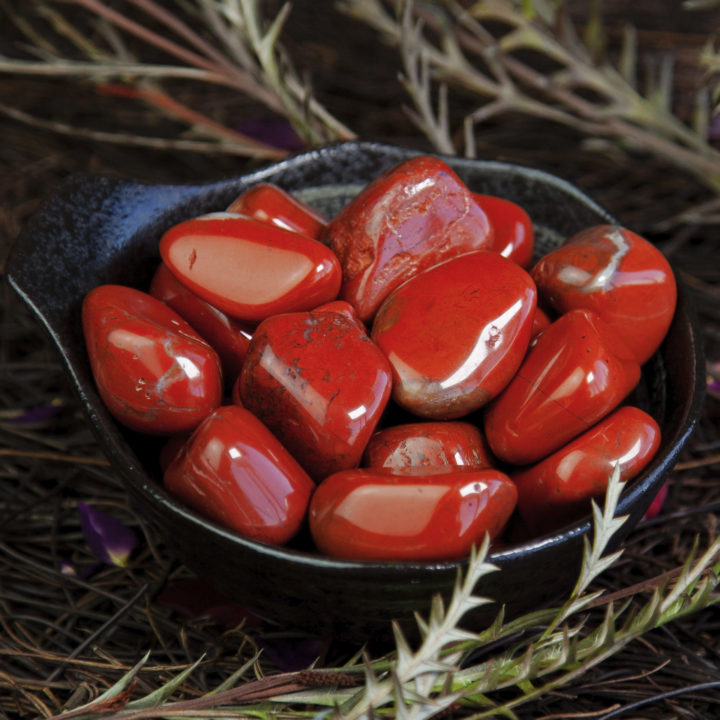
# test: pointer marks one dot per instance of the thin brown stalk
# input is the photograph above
(167, 104)
(238, 79)
(55, 457)
(700, 462)
(173, 23)
(141, 141)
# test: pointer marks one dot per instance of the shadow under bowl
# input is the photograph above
(98, 230)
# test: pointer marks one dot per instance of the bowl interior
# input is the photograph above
(101, 230)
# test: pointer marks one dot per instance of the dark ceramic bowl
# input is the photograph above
(100, 230)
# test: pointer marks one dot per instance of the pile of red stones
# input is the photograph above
(278, 350)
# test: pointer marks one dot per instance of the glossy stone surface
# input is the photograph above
(428, 447)
(250, 269)
(410, 218)
(374, 514)
(577, 372)
(541, 322)
(319, 383)
(558, 490)
(235, 472)
(619, 275)
(228, 337)
(271, 204)
(514, 236)
(456, 334)
(153, 371)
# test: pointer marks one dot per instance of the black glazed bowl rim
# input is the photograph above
(121, 213)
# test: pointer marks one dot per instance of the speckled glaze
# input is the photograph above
(100, 230)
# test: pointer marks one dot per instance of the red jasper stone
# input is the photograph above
(514, 234)
(541, 322)
(250, 269)
(621, 276)
(154, 373)
(319, 383)
(374, 514)
(558, 490)
(429, 447)
(456, 334)
(412, 217)
(271, 204)
(228, 337)
(577, 372)
(235, 472)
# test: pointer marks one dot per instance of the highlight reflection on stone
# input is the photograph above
(153, 371)
(456, 334)
(250, 269)
(235, 472)
(619, 275)
(576, 373)
(380, 514)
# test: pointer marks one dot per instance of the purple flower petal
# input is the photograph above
(278, 133)
(36, 415)
(110, 540)
(713, 386)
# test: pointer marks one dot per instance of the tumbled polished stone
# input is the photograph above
(541, 322)
(577, 372)
(557, 490)
(271, 204)
(319, 383)
(229, 338)
(235, 472)
(413, 216)
(456, 333)
(428, 447)
(152, 370)
(619, 275)
(250, 269)
(377, 514)
(513, 233)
